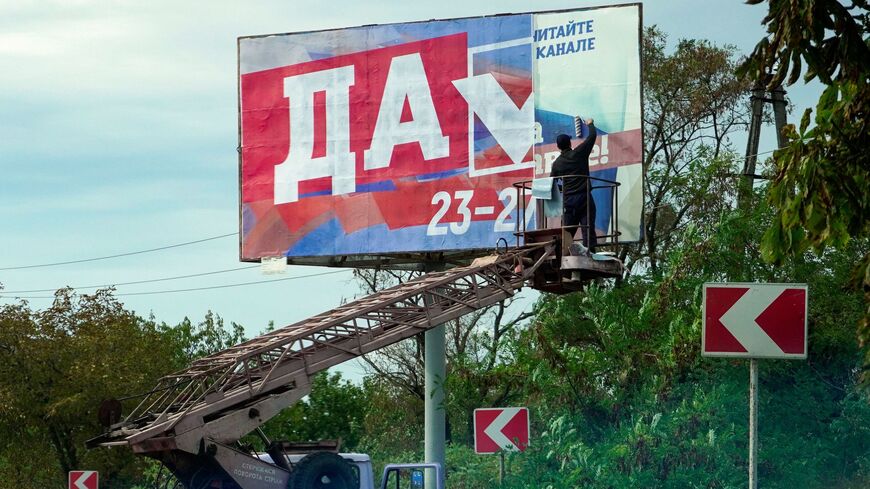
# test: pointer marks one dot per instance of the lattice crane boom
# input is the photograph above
(230, 393)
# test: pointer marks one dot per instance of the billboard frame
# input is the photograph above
(419, 260)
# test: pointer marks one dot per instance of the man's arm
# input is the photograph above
(585, 148)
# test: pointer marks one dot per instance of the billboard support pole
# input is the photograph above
(434, 428)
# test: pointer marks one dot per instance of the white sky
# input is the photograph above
(118, 132)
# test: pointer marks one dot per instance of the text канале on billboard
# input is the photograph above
(408, 137)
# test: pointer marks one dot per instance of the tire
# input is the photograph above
(323, 470)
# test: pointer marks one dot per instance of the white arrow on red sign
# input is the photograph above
(497, 429)
(752, 320)
(84, 479)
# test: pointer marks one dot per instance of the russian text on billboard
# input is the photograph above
(408, 137)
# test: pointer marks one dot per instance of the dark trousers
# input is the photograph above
(578, 211)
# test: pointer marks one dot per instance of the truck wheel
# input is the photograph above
(323, 470)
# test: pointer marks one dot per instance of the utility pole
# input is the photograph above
(778, 101)
(758, 98)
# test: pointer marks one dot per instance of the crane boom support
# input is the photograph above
(226, 395)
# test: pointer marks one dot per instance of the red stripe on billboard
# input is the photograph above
(266, 114)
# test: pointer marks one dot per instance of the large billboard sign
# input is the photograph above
(407, 138)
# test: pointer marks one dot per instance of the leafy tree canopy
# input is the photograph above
(58, 364)
(820, 190)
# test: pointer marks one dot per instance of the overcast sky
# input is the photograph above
(118, 133)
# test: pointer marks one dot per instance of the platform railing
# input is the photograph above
(611, 238)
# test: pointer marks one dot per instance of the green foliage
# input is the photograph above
(483, 374)
(469, 470)
(621, 397)
(393, 424)
(335, 409)
(195, 341)
(58, 364)
(820, 191)
(693, 102)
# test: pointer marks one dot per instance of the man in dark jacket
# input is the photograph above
(578, 209)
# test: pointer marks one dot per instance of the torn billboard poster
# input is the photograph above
(408, 137)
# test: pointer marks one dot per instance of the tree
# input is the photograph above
(820, 189)
(693, 103)
(335, 409)
(207, 336)
(56, 366)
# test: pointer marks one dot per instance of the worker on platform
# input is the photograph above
(578, 206)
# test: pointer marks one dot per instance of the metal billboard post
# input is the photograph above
(753, 423)
(435, 419)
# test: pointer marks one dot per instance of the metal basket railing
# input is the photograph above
(611, 238)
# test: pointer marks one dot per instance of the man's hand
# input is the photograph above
(589, 121)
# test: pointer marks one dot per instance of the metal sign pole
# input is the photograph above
(746, 312)
(753, 423)
(501, 467)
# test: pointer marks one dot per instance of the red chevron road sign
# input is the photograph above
(83, 479)
(749, 320)
(497, 429)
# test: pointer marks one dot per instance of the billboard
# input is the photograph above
(407, 138)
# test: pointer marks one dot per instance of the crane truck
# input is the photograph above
(192, 420)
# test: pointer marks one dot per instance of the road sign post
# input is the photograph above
(753, 423)
(500, 430)
(751, 320)
(501, 467)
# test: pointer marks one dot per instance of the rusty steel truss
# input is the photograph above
(226, 395)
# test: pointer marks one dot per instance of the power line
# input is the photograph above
(85, 260)
(241, 284)
(177, 277)
(762, 153)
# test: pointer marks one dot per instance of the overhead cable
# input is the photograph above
(119, 255)
(117, 284)
(5, 296)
